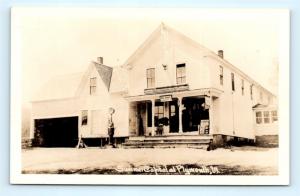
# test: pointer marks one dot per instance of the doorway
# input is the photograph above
(174, 116)
(56, 132)
(141, 118)
(193, 112)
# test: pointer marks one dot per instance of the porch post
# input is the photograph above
(32, 126)
(153, 111)
(180, 114)
(211, 116)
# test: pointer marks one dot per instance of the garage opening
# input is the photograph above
(56, 132)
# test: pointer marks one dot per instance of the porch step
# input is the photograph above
(204, 141)
(168, 142)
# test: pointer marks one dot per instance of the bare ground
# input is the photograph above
(179, 161)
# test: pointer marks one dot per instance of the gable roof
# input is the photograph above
(160, 31)
(156, 33)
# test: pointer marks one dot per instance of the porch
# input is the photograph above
(186, 113)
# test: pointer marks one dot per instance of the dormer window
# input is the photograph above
(180, 74)
(150, 78)
(93, 85)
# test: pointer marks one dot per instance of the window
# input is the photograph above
(221, 75)
(251, 91)
(266, 117)
(159, 114)
(180, 74)
(258, 117)
(232, 82)
(172, 110)
(84, 117)
(274, 116)
(93, 85)
(243, 87)
(151, 78)
(159, 111)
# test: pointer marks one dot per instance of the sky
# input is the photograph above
(55, 41)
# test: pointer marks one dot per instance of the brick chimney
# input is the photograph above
(100, 60)
(221, 53)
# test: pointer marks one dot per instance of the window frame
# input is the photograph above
(158, 114)
(221, 69)
(84, 117)
(93, 85)
(172, 113)
(150, 77)
(182, 78)
(272, 116)
(259, 119)
(266, 117)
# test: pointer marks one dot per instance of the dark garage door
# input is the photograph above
(56, 132)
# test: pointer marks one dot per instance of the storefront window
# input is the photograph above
(159, 115)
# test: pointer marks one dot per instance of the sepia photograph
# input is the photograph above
(162, 96)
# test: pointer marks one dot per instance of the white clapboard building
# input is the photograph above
(171, 90)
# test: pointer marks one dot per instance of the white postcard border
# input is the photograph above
(16, 177)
